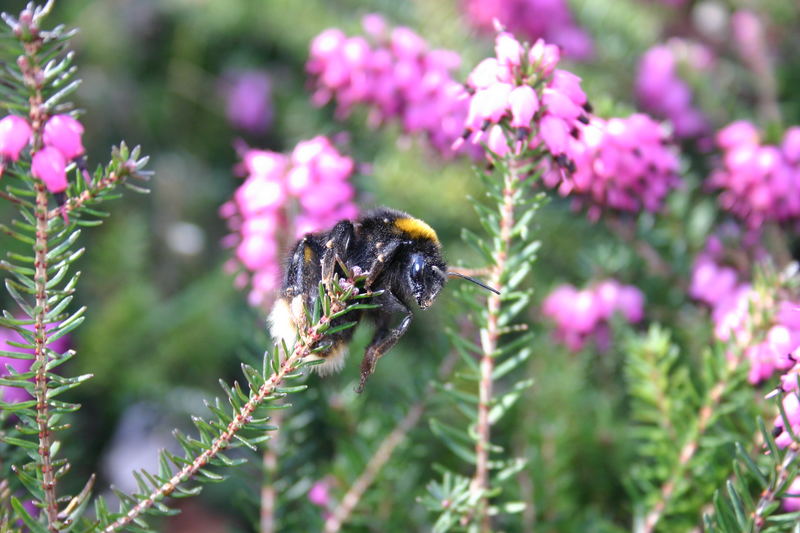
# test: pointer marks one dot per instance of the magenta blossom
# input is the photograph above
(550, 20)
(541, 106)
(248, 104)
(50, 166)
(319, 494)
(622, 164)
(64, 133)
(736, 309)
(396, 76)
(661, 91)
(15, 134)
(282, 198)
(791, 502)
(758, 183)
(583, 315)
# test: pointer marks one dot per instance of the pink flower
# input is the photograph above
(64, 133)
(284, 197)
(319, 494)
(791, 502)
(524, 104)
(622, 164)
(585, 315)
(396, 78)
(791, 407)
(758, 183)
(48, 165)
(508, 50)
(791, 145)
(15, 134)
(662, 92)
(248, 103)
(497, 142)
(533, 19)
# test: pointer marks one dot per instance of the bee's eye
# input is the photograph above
(417, 266)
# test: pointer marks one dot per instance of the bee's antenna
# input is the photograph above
(452, 274)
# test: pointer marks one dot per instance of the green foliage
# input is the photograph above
(684, 424)
(37, 78)
(244, 422)
(509, 251)
(750, 499)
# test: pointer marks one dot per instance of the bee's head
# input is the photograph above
(425, 277)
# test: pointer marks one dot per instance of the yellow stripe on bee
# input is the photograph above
(416, 229)
(308, 253)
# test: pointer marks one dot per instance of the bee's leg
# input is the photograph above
(383, 257)
(336, 246)
(385, 337)
(303, 271)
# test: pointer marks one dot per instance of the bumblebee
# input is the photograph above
(400, 255)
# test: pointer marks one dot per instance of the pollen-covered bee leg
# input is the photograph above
(382, 258)
(336, 247)
(301, 281)
(303, 271)
(385, 336)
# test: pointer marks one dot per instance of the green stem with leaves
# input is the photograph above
(32, 77)
(268, 390)
(489, 339)
(706, 415)
(241, 419)
(41, 309)
(384, 452)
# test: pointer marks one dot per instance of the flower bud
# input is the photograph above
(50, 166)
(64, 133)
(508, 50)
(15, 133)
(524, 104)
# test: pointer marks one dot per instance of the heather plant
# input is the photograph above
(622, 174)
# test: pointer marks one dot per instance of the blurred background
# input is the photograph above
(190, 80)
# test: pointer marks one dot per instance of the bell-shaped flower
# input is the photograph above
(508, 49)
(15, 133)
(50, 166)
(524, 104)
(64, 133)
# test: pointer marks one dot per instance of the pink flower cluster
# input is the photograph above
(62, 143)
(395, 74)
(736, 307)
(583, 315)
(623, 164)
(790, 386)
(758, 183)
(282, 198)
(521, 89)
(550, 20)
(661, 91)
(522, 101)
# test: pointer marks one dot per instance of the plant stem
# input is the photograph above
(489, 338)
(71, 204)
(690, 446)
(270, 465)
(219, 444)
(40, 338)
(31, 71)
(384, 452)
(302, 349)
(779, 480)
